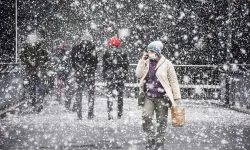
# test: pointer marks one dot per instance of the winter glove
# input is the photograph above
(177, 101)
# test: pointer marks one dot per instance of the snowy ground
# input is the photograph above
(207, 127)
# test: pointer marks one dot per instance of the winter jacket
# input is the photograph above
(115, 65)
(152, 85)
(84, 58)
(35, 57)
(166, 75)
(62, 64)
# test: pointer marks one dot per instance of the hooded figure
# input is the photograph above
(62, 60)
(63, 70)
(34, 57)
(115, 68)
(84, 61)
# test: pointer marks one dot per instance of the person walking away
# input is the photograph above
(115, 68)
(84, 61)
(158, 81)
(63, 69)
(34, 57)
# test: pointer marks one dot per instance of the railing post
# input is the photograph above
(228, 53)
(227, 88)
(247, 78)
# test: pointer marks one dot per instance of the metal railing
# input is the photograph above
(10, 85)
(235, 89)
(199, 82)
(196, 81)
(7, 67)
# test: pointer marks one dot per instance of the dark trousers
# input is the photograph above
(67, 88)
(160, 107)
(41, 90)
(115, 89)
(87, 82)
(33, 80)
(36, 89)
(69, 92)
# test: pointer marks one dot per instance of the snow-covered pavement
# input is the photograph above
(207, 127)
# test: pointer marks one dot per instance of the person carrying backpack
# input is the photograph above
(84, 61)
(63, 70)
(115, 68)
(34, 57)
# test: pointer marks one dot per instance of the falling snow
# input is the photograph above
(207, 41)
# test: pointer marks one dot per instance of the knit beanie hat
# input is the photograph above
(155, 46)
(114, 41)
(87, 36)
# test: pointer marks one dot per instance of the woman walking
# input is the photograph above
(158, 81)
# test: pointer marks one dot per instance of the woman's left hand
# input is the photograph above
(177, 101)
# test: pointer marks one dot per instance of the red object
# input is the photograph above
(114, 42)
(62, 46)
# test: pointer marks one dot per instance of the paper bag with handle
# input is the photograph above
(178, 116)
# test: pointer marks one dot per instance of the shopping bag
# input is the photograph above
(141, 99)
(178, 116)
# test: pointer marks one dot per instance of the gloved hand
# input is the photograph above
(177, 101)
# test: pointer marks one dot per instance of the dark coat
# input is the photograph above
(115, 65)
(84, 58)
(34, 57)
(62, 64)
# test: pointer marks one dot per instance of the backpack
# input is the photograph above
(115, 65)
(83, 58)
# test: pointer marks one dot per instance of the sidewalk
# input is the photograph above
(207, 127)
(236, 108)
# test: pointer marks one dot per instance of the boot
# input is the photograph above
(150, 144)
(67, 105)
(74, 108)
(90, 115)
(159, 146)
(110, 117)
(119, 115)
(79, 116)
(39, 108)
